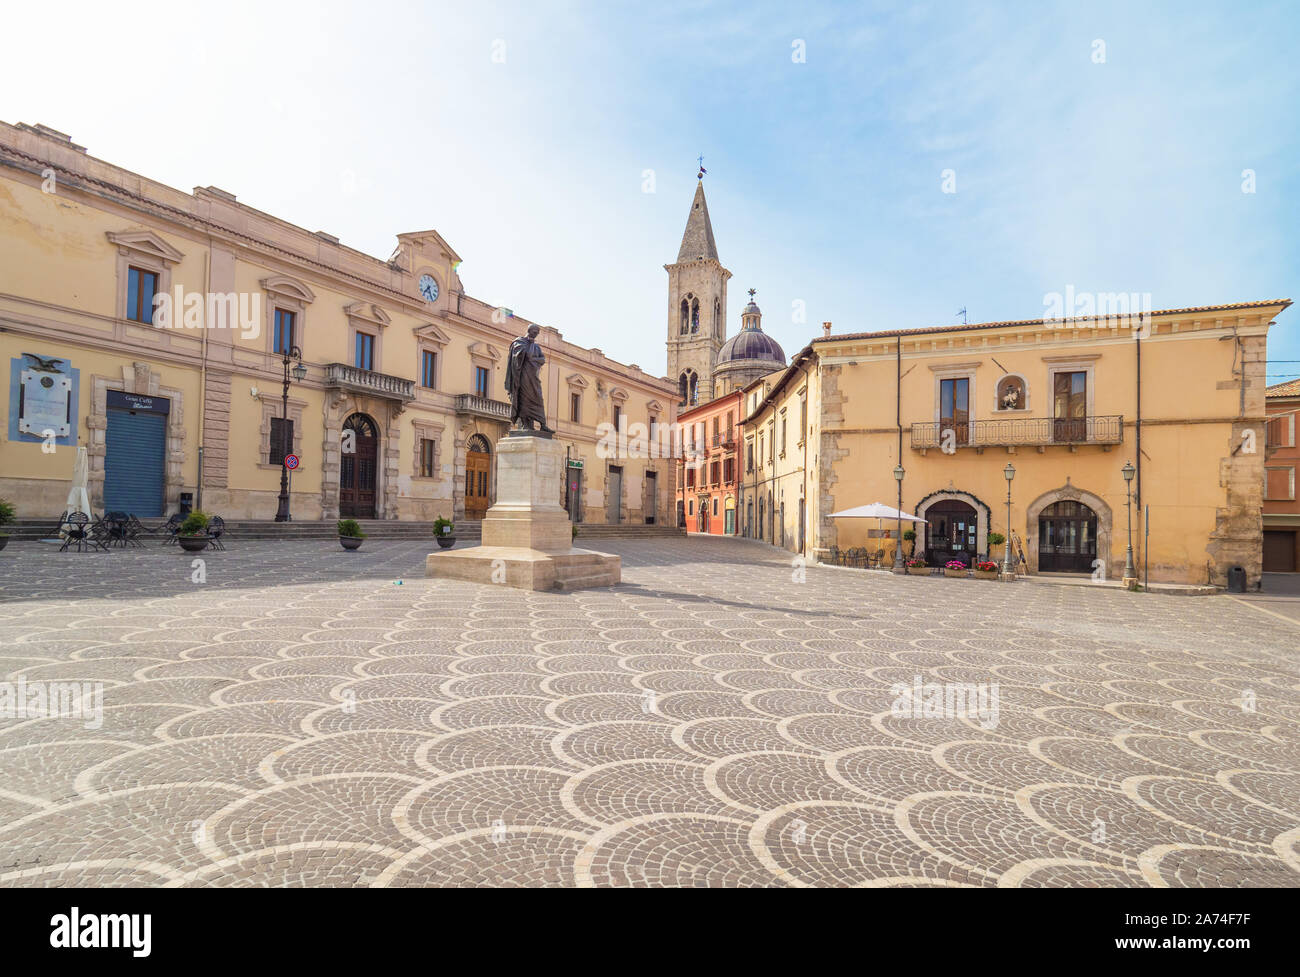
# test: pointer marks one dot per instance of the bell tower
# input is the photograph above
(697, 306)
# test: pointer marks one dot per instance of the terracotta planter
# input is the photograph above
(918, 571)
(987, 574)
(446, 542)
(351, 542)
(954, 573)
(192, 544)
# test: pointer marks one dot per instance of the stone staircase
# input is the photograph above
(468, 532)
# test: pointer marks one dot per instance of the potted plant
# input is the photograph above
(350, 534)
(444, 531)
(918, 568)
(193, 533)
(6, 518)
(986, 570)
(909, 535)
(954, 568)
(996, 539)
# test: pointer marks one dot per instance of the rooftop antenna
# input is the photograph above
(962, 312)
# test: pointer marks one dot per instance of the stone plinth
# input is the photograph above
(527, 536)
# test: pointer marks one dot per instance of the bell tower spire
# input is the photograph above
(697, 304)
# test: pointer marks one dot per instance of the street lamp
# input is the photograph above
(1128, 471)
(898, 545)
(1009, 472)
(292, 355)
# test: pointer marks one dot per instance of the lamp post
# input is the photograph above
(898, 544)
(1128, 471)
(292, 355)
(1009, 472)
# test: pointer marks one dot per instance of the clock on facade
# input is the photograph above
(429, 287)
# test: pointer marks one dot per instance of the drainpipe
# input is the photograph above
(203, 373)
(803, 501)
(1137, 485)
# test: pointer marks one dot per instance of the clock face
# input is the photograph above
(429, 287)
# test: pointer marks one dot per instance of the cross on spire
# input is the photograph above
(702, 169)
(751, 293)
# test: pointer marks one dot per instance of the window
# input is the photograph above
(481, 381)
(716, 438)
(803, 419)
(771, 443)
(618, 417)
(283, 340)
(281, 440)
(1070, 406)
(729, 470)
(954, 408)
(761, 456)
(713, 475)
(715, 506)
(365, 351)
(690, 477)
(1279, 483)
(427, 446)
(429, 369)
(731, 427)
(690, 507)
(782, 437)
(1281, 432)
(749, 456)
(141, 287)
(654, 431)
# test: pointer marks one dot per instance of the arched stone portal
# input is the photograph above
(1069, 493)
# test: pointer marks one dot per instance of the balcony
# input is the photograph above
(361, 381)
(1034, 432)
(482, 407)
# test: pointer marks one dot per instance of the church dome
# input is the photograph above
(751, 344)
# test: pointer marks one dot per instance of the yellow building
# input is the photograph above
(1066, 402)
(155, 328)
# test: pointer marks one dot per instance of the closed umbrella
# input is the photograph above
(78, 499)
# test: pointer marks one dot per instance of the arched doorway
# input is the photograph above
(478, 477)
(1067, 538)
(760, 517)
(729, 516)
(358, 467)
(702, 515)
(749, 518)
(951, 532)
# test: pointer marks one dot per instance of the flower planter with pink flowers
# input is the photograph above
(954, 568)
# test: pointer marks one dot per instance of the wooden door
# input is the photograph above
(358, 468)
(478, 483)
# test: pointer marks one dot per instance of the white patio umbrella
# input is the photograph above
(78, 499)
(879, 512)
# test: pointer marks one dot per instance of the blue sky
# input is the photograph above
(824, 179)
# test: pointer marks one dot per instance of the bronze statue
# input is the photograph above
(524, 382)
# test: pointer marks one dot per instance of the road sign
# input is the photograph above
(291, 462)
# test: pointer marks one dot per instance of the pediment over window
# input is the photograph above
(576, 380)
(432, 334)
(147, 243)
(618, 395)
(283, 286)
(654, 407)
(368, 313)
(484, 350)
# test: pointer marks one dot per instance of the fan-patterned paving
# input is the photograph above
(312, 717)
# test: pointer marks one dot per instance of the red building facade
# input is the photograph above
(1281, 459)
(708, 476)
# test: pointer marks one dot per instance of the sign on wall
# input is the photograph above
(42, 399)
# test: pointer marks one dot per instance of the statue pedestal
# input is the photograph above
(527, 536)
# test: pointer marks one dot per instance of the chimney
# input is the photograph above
(826, 330)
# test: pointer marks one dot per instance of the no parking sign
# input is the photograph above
(291, 462)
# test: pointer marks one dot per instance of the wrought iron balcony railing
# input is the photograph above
(1019, 431)
(369, 382)
(482, 406)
